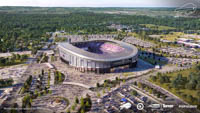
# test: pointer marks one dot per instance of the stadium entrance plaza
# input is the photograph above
(91, 79)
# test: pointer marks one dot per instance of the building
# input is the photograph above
(98, 55)
(188, 42)
(185, 39)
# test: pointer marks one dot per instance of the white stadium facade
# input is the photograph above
(99, 55)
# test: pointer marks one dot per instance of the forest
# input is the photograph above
(21, 31)
(184, 83)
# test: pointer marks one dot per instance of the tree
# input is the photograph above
(191, 86)
(98, 85)
(87, 104)
(73, 107)
(82, 101)
(146, 88)
(124, 81)
(191, 98)
(154, 78)
(23, 57)
(159, 74)
(198, 86)
(116, 78)
(50, 91)
(60, 77)
(161, 79)
(42, 71)
(135, 83)
(76, 100)
(150, 91)
(13, 56)
(34, 51)
(68, 111)
(26, 101)
(39, 94)
(103, 91)
(139, 85)
(45, 92)
(198, 67)
(198, 94)
(134, 93)
(154, 91)
(184, 95)
(105, 84)
(164, 97)
(18, 56)
(23, 90)
(98, 95)
(158, 95)
(109, 88)
(52, 58)
(82, 111)
(36, 92)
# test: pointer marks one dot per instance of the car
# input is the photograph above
(144, 99)
(134, 109)
(123, 100)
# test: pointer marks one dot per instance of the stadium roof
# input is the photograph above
(128, 52)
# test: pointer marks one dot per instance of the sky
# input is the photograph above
(96, 3)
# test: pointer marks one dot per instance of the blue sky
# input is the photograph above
(93, 3)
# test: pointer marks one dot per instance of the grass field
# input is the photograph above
(157, 27)
(172, 36)
(175, 35)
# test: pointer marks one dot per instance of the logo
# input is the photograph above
(140, 106)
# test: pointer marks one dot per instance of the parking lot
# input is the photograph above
(113, 102)
(138, 42)
(180, 51)
(182, 62)
(14, 72)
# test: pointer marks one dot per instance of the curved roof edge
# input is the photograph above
(131, 51)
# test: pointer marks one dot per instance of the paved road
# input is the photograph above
(77, 84)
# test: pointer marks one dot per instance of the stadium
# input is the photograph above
(99, 55)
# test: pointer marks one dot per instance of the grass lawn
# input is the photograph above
(172, 36)
(152, 61)
(126, 74)
(175, 35)
(133, 34)
(16, 62)
(185, 73)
